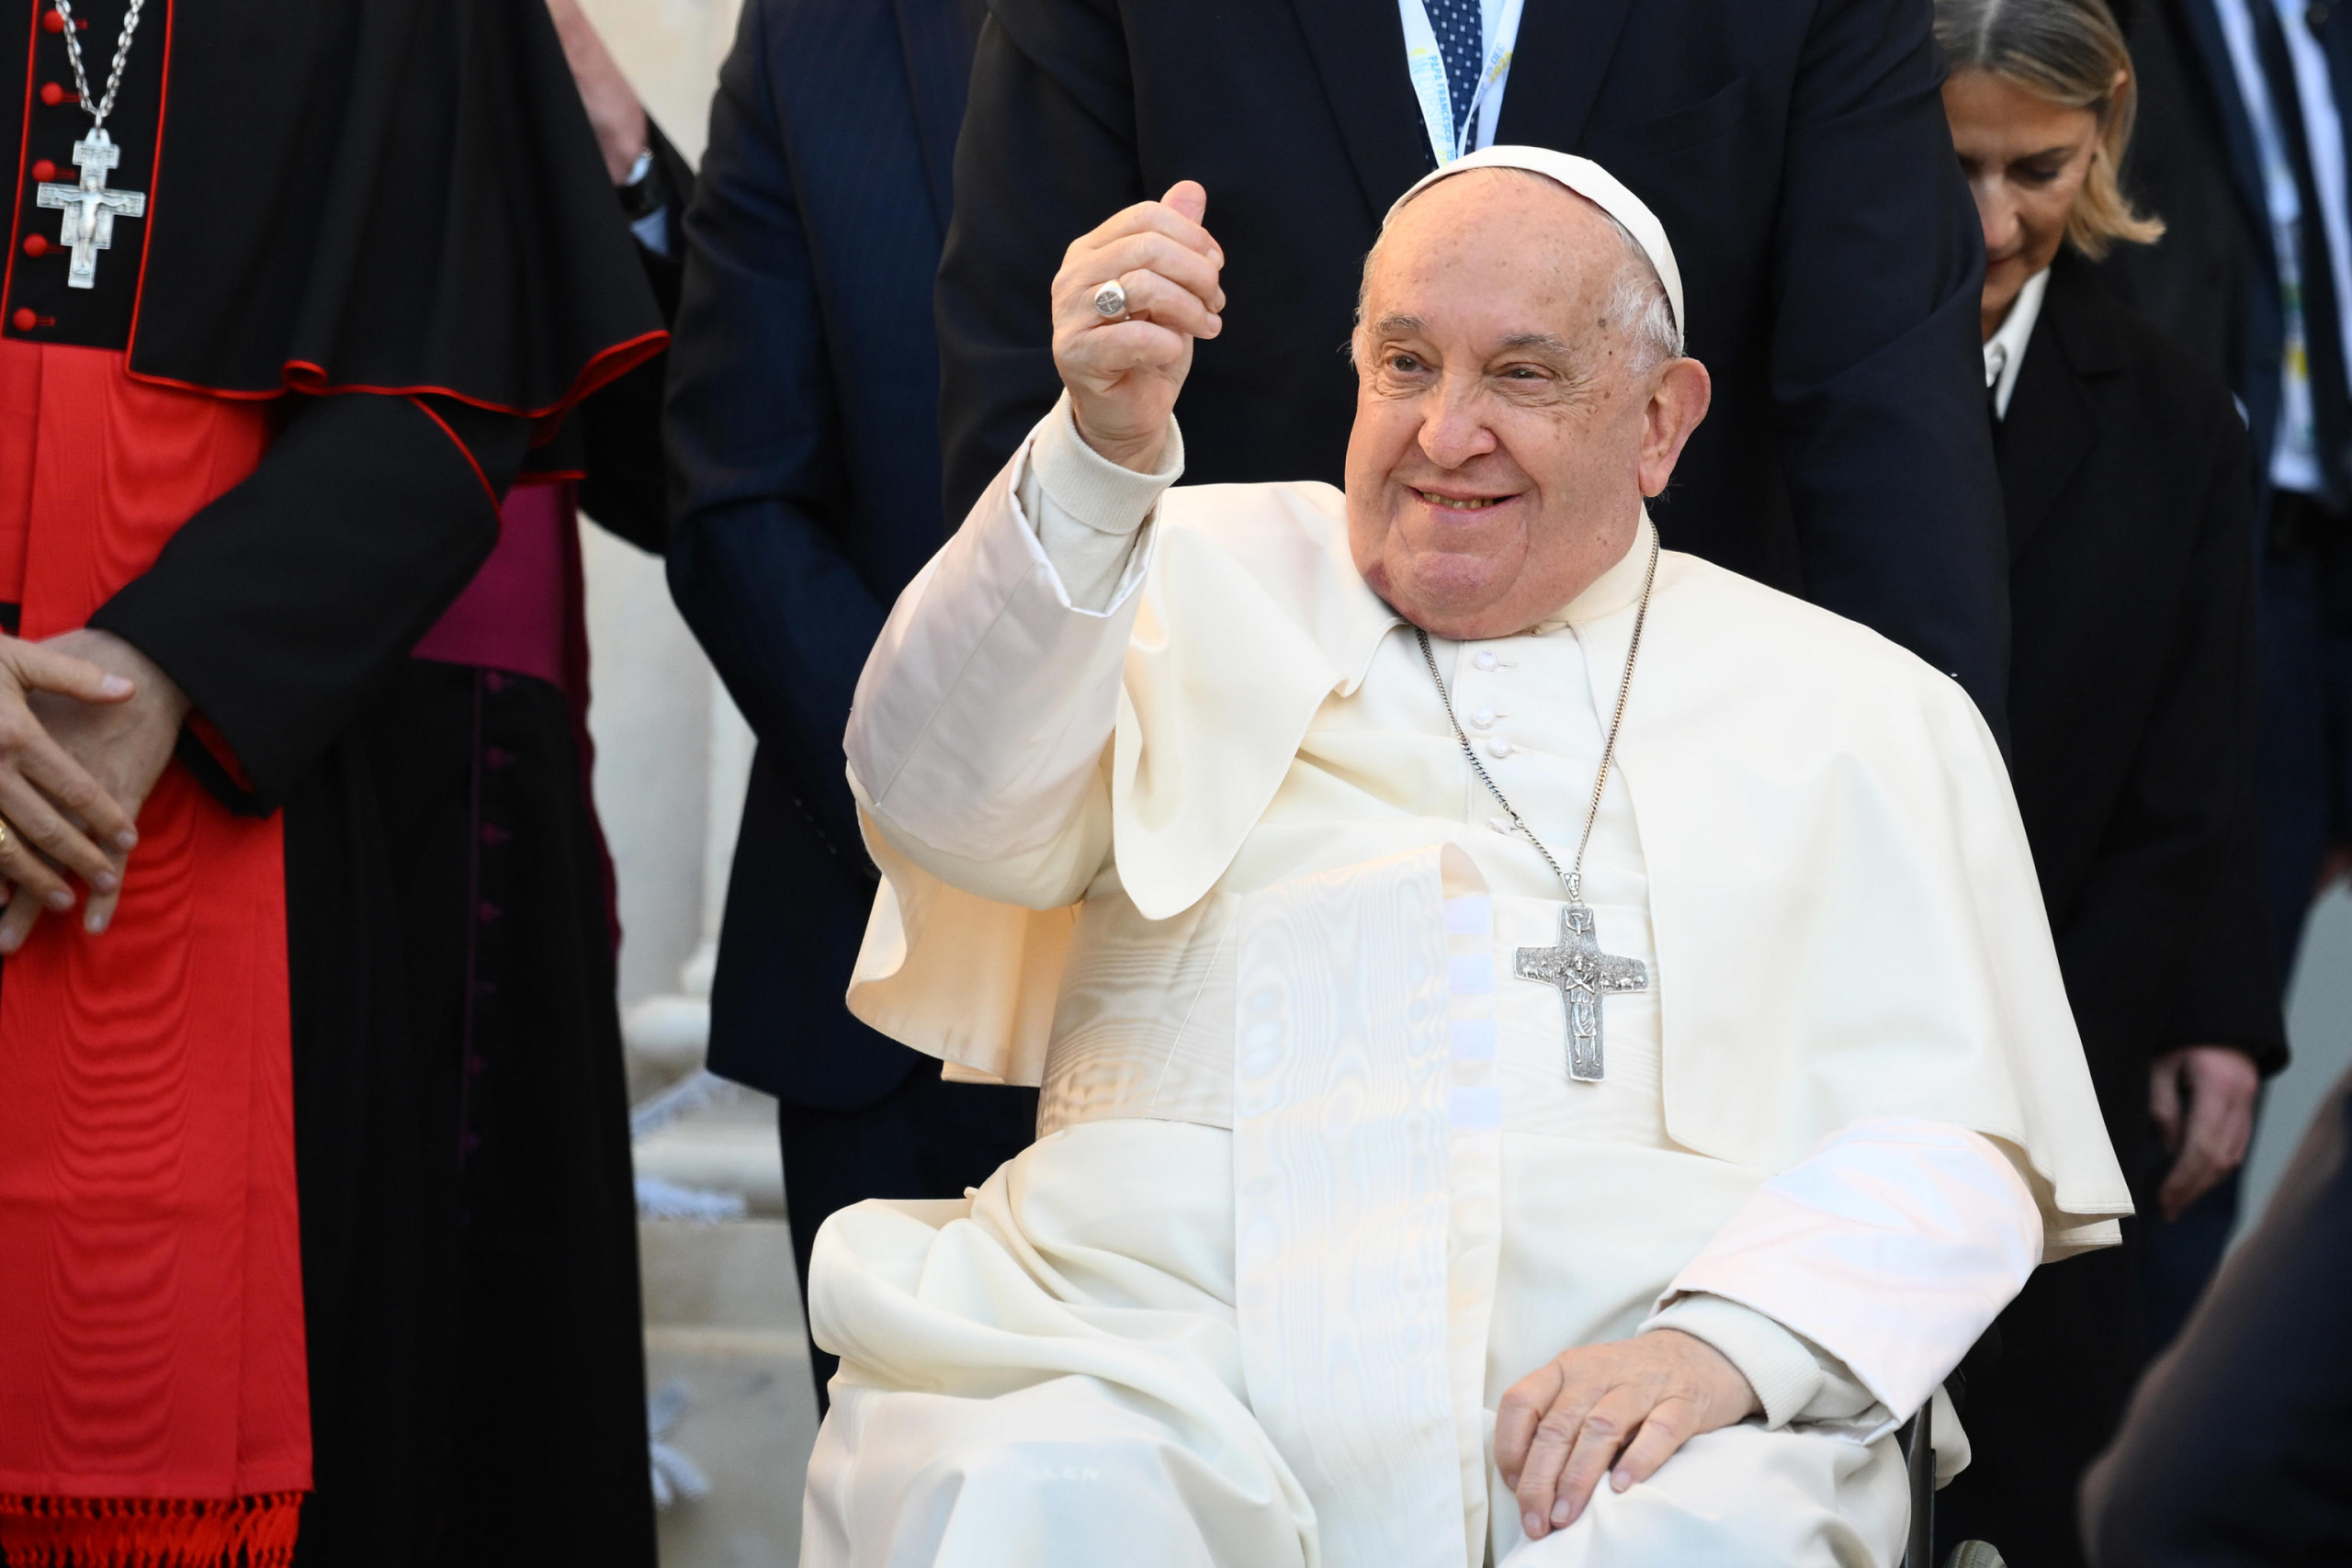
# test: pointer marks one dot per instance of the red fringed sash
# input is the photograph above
(153, 1408)
(77, 1532)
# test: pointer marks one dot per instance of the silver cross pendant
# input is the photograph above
(1582, 972)
(90, 207)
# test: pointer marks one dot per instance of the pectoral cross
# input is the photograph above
(90, 207)
(1582, 972)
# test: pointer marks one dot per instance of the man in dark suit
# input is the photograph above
(802, 426)
(1796, 153)
(2230, 91)
(2227, 157)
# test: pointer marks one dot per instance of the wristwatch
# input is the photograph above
(645, 192)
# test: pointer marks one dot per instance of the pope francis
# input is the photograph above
(1550, 1051)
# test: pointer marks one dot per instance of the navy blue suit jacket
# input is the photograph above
(803, 433)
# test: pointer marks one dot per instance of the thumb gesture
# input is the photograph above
(1128, 302)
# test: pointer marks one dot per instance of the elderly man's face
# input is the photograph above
(1504, 433)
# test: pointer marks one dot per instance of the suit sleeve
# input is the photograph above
(1876, 366)
(2233, 993)
(280, 607)
(753, 562)
(1048, 152)
(2171, 857)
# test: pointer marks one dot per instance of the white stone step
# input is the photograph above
(722, 1313)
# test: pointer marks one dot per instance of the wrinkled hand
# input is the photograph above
(1124, 375)
(2218, 1083)
(61, 819)
(119, 742)
(1561, 1427)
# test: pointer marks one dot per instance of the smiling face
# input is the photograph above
(2026, 158)
(1507, 426)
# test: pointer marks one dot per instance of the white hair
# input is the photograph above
(1638, 306)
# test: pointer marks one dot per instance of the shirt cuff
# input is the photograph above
(1776, 1364)
(1089, 489)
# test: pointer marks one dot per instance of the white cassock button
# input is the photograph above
(1486, 659)
(1483, 717)
(1499, 747)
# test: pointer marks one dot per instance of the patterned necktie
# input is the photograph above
(1462, 40)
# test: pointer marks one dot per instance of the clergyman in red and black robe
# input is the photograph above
(311, 1240)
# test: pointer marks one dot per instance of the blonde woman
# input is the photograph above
(2125, 472)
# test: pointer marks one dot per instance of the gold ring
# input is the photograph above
(4, 836)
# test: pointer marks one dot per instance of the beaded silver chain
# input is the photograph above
(121, 54)
(1573, 878)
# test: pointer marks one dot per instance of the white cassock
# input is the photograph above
(1172, 823)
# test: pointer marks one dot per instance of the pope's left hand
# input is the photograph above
(124, 746)
(1561, 1427)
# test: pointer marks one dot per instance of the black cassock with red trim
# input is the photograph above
(386, 226)
(368, 195)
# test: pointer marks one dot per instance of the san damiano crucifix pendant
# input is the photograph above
(90, 207)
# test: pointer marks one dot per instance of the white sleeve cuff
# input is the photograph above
(1778, 1365)
(1088, 487)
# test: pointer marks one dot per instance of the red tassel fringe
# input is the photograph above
(150, 1532)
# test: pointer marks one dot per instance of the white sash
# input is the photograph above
(1367, 1197)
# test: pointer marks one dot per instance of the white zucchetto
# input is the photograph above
(1588, 180)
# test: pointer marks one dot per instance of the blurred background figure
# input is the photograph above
(2126, 476)
(1796, 153)
(2243, 150)
(2238, 1447)
(808, 486)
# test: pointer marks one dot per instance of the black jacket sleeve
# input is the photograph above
(2233, 992)
(1876, 362)
(2237, 1447)
(755, 563)
(280, 606)
(624, 484)
(2167, 861)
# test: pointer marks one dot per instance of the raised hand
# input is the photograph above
(1124, 371)
(1562, 1426)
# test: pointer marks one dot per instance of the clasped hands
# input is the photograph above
(88, 723)
(1619, 1409)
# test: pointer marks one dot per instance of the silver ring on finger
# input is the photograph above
(1111, 302)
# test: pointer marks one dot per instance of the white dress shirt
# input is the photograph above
(2004, 350)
